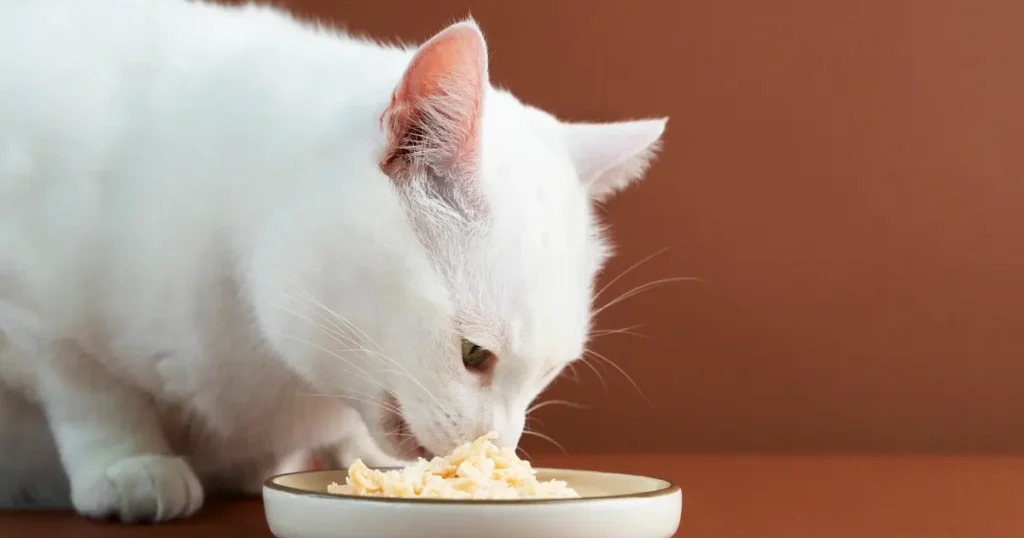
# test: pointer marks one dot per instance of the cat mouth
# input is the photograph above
(398, 433)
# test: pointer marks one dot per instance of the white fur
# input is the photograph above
(204, 272)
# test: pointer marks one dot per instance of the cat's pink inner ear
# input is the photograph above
(434, 117)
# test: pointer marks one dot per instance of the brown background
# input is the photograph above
(846, 175)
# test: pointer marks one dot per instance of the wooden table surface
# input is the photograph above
(723, 497)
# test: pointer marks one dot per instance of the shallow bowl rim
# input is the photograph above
(667, 488)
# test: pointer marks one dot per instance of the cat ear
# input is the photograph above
(610, 156)
(434, 116)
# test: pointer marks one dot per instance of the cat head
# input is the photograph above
(501, 197)
(491, 298)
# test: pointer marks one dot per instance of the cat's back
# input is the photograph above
(81, 81)
(79, 73)
(87, 75)
(116, 113)
(97, 95)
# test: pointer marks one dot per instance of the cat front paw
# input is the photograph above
(148, 488)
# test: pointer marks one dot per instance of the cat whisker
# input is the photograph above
(597, 372)
(341, 339)
(404, 440)
(364, 374)
(630, 268)
(547, 403)
(379, 355)
(396, 432)
(372, 400)
(642, 288)
(338, 333)
(626, 330)
(334, 328)
(547, 438)
(574, 372)
(619, 369)
(375, 402)
(399, 433)
(313, 300)
(607, 331)
(406, 444)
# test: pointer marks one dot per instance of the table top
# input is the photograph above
(723, 497)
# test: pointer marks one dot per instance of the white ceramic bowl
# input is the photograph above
(612, 506)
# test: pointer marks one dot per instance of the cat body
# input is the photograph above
(228, 238)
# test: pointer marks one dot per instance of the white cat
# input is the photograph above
(228, 238)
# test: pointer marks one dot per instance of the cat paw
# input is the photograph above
(141, 489)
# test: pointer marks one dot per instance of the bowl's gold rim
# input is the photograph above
(668, 489)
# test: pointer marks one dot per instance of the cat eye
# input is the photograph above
(473, 356)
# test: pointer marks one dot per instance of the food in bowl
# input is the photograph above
(477, 470)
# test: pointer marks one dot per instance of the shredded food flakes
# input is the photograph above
(476, 470)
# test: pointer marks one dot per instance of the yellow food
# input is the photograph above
(477, 470)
